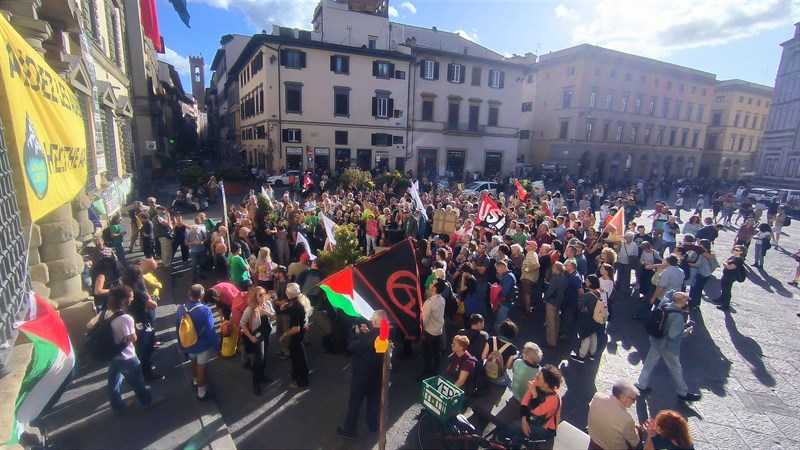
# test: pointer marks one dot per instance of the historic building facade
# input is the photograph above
(779, 163)
(738, 115)
(607, 115)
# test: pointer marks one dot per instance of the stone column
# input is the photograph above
(59, 251)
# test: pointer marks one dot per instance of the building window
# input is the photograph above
(606, 128)
(524, 134)
(372, 42)
(689, 108)
(382, 69)
(634, 131)
(294, 98)
(684, 138)
(592, 99)
(672, 134)
(693, 90)
(695, 138)
(397, 139)
(716, 119)
(564, 130)
(749, 144)
(677, 114)
(732, 143)
(494, 112)
(638, 108)
(455, 73)
(665, 107)
(746, 120)
(652, 106)
(700, 110)
(427, 110)
(382, 105)
(570, 71)
(703, 92)
(755, 122)
(341, 101)
(474, 114)
(609, 100)
(736, 119)
(619, 133)
(291, 135)
(429, 70)
(741, 99)
(496, 79)
(476, 76)
(720, 99)
(589, 126)
(647, 130)
(381, 139)
(400, 74)
(669, 85)
(624, 104)
(680, 87)
(293, 59)
(741, 144)
(340, 64)
(452, 116)
(527, 106)
(340, 137)
(567, 101)
(660, 136)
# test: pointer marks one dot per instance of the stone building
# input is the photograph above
(610, 115)
(738, 115)
(779, 163)
(222, 98)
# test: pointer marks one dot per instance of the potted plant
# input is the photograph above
(233, 177)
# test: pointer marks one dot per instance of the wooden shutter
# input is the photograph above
(390, 108)
(333, 63)
(463, 74)
(374, 138)
(391, 70)
(502, 79)
(345, 64)
(283, 57)
(436, 70)
(374, 68)
(422, 69)
(285, 133)
(302, 60)
(375, 107)
(450, 72)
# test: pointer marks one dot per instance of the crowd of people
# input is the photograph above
(561, 252)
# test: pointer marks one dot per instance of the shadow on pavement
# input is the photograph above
(749, 349)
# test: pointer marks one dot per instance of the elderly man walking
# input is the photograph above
(668, 348)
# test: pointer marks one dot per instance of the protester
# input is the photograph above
(207, 344)
(256, 329)
(299, 309)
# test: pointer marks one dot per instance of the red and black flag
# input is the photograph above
(388, 281)
(490, 216)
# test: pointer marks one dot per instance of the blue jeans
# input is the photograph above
(696, 292)
(119, 249)
(673, 362)
(502, 314)
(197, 260)
(131, 370)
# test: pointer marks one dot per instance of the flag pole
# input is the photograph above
(387, 358)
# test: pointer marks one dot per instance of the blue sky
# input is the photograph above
(731, 38)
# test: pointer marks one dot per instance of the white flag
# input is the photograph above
(302, 240)
(328, 224)
(417, 199)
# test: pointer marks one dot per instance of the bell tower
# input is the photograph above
(198, 73)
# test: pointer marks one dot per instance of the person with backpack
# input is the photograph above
(592, 318)
(499, 354)
(508, 293)
(733, 270)
(197, 337)
(477, 342)
(121, 335)
(665, 343)
(462, 367)
(668, 277)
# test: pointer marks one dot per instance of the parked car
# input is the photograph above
(479, 186)
(283, 178)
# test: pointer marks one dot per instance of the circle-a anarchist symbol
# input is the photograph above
(403, 291)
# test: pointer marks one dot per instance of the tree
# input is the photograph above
(344, 253)
(355, 178)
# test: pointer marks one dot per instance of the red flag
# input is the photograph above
(521, 191)
(489, 215)
(307, 181)
(546, 209)
(150, 23)
(618, 221)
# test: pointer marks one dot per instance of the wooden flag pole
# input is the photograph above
(387, 362)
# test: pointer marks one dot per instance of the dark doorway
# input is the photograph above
(342, 159)
(455, 163)
(322, 159)
(364, 158)
(494, 163)
(426, 163)
(294, 158)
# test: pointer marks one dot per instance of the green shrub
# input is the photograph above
(344, 253)
(230, 172)
(357, 178)
(191, 175)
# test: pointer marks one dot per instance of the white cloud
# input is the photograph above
(562, 12)
(409, 6)
(393, 12)
(261, 14)
(181, 63)
(656, 29)
(466, 35)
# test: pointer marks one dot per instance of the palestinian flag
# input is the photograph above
(51, 364)
(340, 292)
(388, 281)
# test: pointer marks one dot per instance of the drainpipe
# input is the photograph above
(411, 109)
(280, 111)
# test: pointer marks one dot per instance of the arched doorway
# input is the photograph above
(726, 168)
(628, 168)
(667, 166)
(614, 170)
(690, 167)
(736, 170)
(654, 166)
(600, 167)
(679, 166)
(584, 164)
(643, 167)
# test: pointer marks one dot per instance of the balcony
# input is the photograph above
(473, 128)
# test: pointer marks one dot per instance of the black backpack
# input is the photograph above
(450, 301)
(100, 343)
(106, 235)
(656, 323)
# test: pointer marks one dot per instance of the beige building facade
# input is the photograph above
(738, 116)
(609, 115)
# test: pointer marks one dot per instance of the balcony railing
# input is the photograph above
(465, 127)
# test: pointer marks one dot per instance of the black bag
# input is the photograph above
(656, 323)
(100, 343)
(741, 273)
(106, 235)
(766, 245)
(450, 301)
(787, 221)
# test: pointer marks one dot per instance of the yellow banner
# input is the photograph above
(43, 125)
